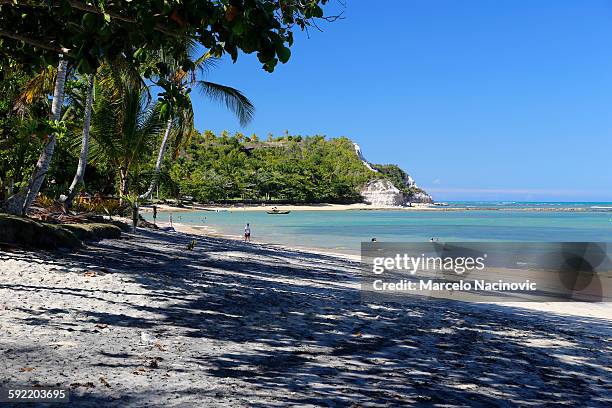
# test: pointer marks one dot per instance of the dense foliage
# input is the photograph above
(15, 149)
(53, 43)
(87, 32)
(285, 169)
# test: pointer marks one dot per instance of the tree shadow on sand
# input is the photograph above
(290, 328)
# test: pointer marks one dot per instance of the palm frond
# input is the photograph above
(183, 128)
(205, 64)
(40, 86)
(232, 98)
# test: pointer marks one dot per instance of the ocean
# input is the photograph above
(343, 231)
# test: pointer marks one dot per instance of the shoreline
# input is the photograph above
(206, 231)
(600, 310)
(284, 207)
(356, 207)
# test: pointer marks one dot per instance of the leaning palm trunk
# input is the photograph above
(20, 203)
(160, 158)
(80, 173)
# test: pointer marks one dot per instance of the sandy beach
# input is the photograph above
(284, 207)
(345, 207)
(143, 321)
(211, 231)
(213, 204)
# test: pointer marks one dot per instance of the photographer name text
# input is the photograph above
(406, 285)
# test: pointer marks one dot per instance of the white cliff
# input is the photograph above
(363, 160)
(381, 192)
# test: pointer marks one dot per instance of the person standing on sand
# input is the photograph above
(135, 216)
(247, 233)
(170, 220)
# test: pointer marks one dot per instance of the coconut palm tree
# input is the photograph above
(124, 123)
(134, 78)
(20, 203)
(181, 118)
(80, 172)
(38, 88)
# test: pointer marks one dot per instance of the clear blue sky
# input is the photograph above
(496, 99)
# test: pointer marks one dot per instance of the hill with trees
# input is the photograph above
(292, 169)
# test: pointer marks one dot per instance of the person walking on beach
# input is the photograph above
(247, 233)
(170, 220)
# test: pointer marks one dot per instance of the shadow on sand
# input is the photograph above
(300, 334)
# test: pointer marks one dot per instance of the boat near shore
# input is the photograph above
(278, 212)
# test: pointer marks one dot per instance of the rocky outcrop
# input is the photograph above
(417, 195)
(381, 192)
(420, 197)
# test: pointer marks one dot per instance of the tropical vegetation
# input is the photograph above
(288, 169)
(77, 79)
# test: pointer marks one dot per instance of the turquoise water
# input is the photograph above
(587, 205)
(343, 231)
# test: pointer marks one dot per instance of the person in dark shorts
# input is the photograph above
(247, 233)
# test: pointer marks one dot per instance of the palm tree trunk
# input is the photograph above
(80, 172)
(20, 203)
(123, 176)
(160, 158)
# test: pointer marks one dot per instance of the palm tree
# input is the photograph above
(124, 123)
(133, 76)
(80, 172)
(36, 89)
(182, 117)
(20, 203)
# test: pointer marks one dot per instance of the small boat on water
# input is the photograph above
(276, 211)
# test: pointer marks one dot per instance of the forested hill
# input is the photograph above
(289, 169)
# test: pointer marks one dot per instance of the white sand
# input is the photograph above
(345, 207)
(143, 321)
(303, 207)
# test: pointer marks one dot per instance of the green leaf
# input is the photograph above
(317, 11)
(89, 21)
(284, 54)
(238, 28)
(270, 65)
(139, 54)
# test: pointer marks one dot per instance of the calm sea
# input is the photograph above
(343, 231)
